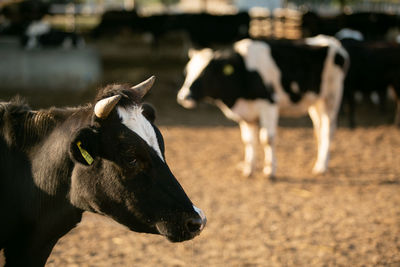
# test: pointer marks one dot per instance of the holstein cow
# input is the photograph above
(256, 80)
(106, 158)
(40, 34)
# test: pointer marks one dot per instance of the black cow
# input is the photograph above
(256, 80)
(375, 66)
(106, 158)
(203, 29)
(373, 25)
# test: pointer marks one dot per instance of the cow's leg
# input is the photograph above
(324, 116)
(268, 123)
(397, 115)
(324, 121)
(34, 243)
(249, 138)
(321, 124)
(396, 90)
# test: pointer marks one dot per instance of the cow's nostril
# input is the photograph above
(193, 225)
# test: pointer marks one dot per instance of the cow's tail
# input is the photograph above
(343, 58)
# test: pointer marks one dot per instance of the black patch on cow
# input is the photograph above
(339, 60)
(149, 112)
(299, 63)
(129, 97)
(228, 86)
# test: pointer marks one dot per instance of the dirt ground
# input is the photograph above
(348, 217)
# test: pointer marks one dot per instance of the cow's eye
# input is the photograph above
(133, 163)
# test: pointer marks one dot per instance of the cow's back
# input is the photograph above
(301, 67)
(299, 71)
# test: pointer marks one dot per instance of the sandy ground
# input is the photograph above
(348, 217)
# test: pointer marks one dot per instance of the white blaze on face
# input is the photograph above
(133, 118)
(198, 62)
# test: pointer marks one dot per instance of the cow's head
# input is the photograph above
(120, 168)
(213, 75)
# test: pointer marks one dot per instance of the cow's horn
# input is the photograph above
(143, 87)
(104, 106)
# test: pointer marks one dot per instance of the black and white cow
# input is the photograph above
(256, 80)
(40, 34)
(106, 158)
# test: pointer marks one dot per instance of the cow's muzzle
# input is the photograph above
(189, 227)
(185, 99)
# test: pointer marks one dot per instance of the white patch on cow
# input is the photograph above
(243, 109)
(37, 28)
(197, 64)
(347, 33)
(375, 98)
(295, 87)
(133, 119)
(199, 60)
(202, 217)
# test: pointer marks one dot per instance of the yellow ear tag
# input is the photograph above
(228, 70)
(85, 154)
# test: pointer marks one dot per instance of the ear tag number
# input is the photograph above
(228, 70)
(85, 154)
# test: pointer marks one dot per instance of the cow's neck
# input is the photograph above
(49, 155)
(39, 124)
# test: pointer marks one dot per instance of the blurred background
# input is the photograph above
(69, 48)
(58, 52)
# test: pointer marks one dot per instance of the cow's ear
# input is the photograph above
(84, 146)
(149, 112)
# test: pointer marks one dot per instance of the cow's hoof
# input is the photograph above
(318, 170)
(247, 170)
(269, 172)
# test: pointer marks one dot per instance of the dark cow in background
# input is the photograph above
(106, 158)
(15, 16)
(40, 34)
(373, 25)
(255, 81)
(374, 68)
(202, 29)
(24, 20)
